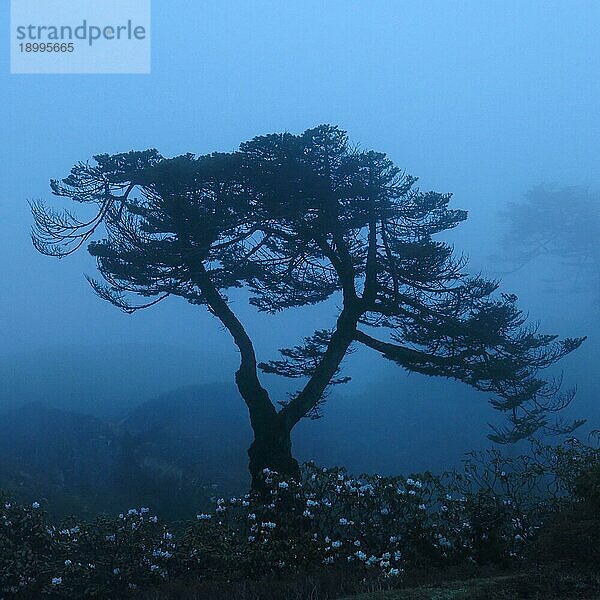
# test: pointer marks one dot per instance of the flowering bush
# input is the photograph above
(79, 560)
(369, 528)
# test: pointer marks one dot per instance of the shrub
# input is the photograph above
(368, 529)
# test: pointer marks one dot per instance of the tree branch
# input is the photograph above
(400, 354)
(337, 348)
(256, 397)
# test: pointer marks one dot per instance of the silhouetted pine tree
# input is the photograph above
(296, 219)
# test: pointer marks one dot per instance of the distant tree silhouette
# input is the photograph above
(559, 223)
(295, 219)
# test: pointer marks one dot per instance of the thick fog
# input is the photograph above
(485, 100)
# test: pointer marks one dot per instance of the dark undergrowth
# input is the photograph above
(526, 527)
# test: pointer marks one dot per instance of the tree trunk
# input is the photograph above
(271, 449)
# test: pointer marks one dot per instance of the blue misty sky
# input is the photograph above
(480, 98)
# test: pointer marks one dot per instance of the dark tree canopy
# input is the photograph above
(296, 219)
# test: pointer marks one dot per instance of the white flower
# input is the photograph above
(422, 507)
(252, 517)
(268, 525)
(410, 481)
(154, 519)
(307, 514)
(116, 571)
(393, 539)
(328, 560)
(412, 492)
(154, 568)
(37, 505)
(203, 517)
(56, 580)
(385, 511)
(144, 510)
(360, 555)
(110, 538)
(357, 543)
(343, 521)
(251, 538)
(168, 536)
(68, 563)
(132, 511)
(283, 485)
(394, 572)
(336, 544)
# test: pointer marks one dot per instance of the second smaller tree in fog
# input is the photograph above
(561, 224)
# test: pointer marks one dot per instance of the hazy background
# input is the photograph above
(481, 99)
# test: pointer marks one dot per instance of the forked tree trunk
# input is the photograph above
(271, 449)
(272, 445)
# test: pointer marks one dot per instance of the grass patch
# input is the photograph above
(556, 582)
